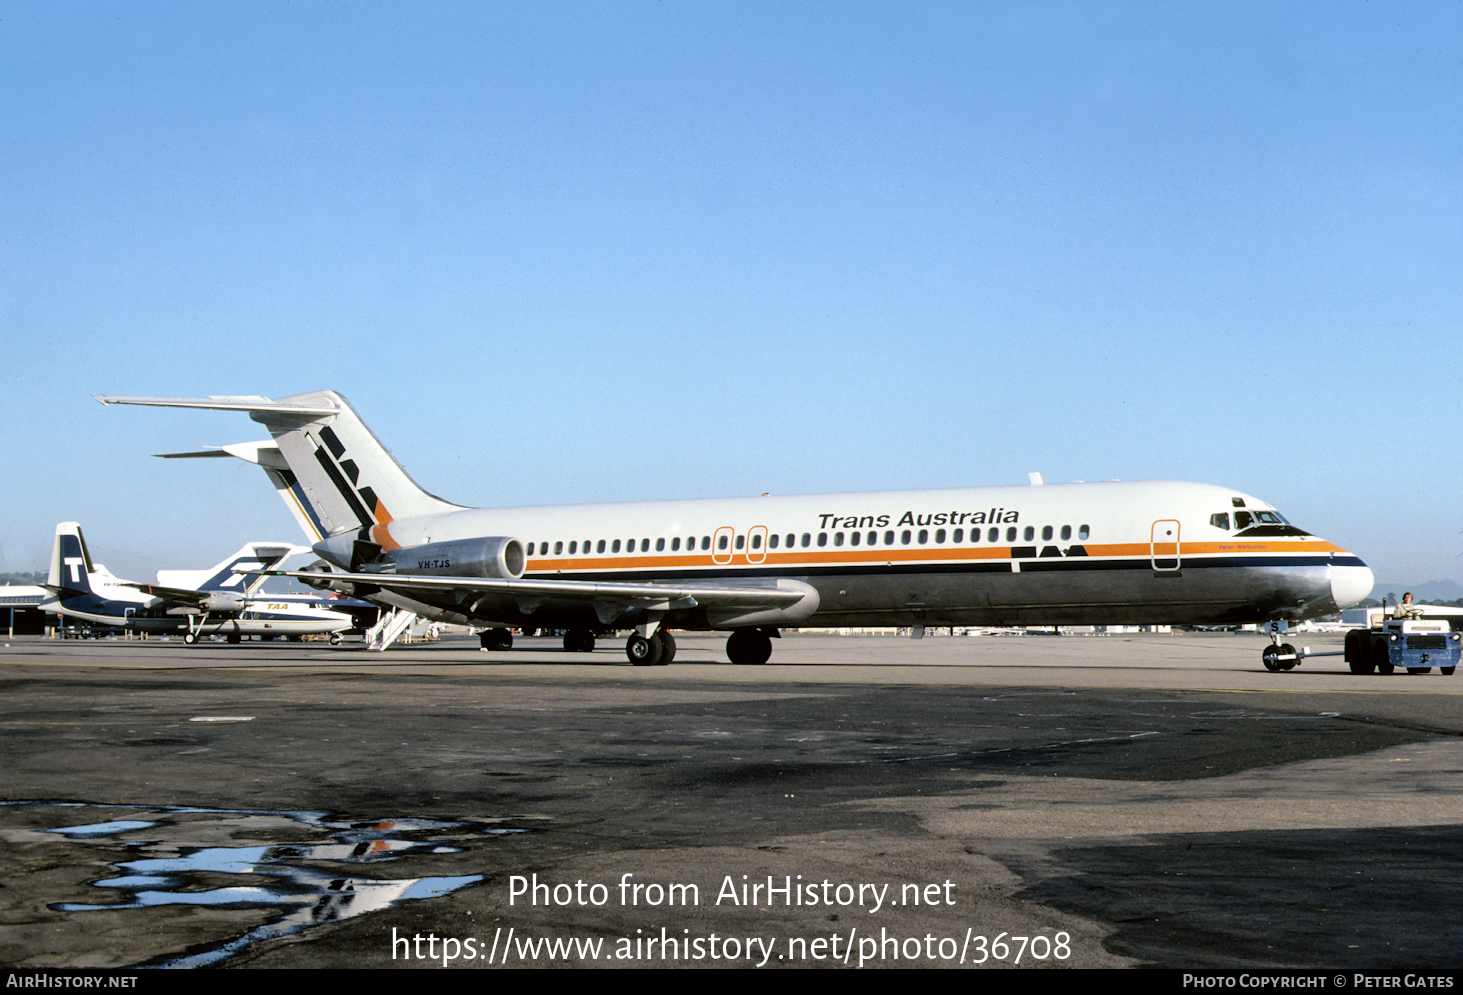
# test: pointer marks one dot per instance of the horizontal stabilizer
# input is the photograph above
(243, 403)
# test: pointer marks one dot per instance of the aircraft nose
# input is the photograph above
(1350, 584)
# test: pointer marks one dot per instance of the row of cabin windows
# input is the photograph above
(793, 540)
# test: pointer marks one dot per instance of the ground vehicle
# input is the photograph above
(1418, 644)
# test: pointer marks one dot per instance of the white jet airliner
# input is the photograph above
(1151, 552)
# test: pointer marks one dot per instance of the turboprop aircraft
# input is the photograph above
(193, 602)
(1152, 552)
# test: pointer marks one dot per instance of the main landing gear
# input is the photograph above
(495, 639)
(749, 646)
(656, 650)
(579, 641)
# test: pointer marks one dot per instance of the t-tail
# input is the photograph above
(332, 471)
(240, 572)
(71, 566)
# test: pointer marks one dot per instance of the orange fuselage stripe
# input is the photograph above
(875, 556)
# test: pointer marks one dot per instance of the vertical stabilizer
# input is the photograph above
(71, 566)
(347, 476)
(224, 576)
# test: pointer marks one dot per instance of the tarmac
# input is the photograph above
(994, 801)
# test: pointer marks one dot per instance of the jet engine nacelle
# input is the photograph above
(323, 582)
(499, 557)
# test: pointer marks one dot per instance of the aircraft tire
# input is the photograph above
(1446, 671)
(189, 638)
(1380, 659)
(748, 647)
(579, 641)
(1358, 654)
(667, 647)
(1418, 670)
(643, 652)
(1286, 648)
(335, 639)
(1267, 657)
(233, 639)
(496, 640)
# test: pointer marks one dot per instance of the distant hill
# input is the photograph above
(1432, 590)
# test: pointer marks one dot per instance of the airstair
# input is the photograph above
(385, 632)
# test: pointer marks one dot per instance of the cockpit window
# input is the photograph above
(1220, 521)
(1270, 518)
(1243, 519)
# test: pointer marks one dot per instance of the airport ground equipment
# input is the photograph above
(1416, 644)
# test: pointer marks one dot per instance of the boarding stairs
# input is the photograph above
(391, 625)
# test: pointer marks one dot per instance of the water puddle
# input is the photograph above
(295, 879)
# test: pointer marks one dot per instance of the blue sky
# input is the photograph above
(573, 252)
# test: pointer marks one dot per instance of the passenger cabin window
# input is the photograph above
(807, 540)
(721, 543)
(889, 538)
(615, 548)
(993, 535)
(1220, 520)
(822, 538)
(1082, 532)
(1046, 533)
(600, 548)
(1011, 534)
(873, 538)
(772, 540)
(1066, 532)
(939, 535)
(853, 538)
(675, 544)
(558, 548)
(904, 538)
(1029, 534)
(838, 538)
(660, 545)
(741, 541)
(573, 546)
(924, 536)
(958, 537)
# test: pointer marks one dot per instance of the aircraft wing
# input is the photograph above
(608, 598)
(179, 594)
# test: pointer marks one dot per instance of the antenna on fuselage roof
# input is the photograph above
(1035, 479)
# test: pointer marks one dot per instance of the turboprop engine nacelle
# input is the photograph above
(224, 602)
(489, 556)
